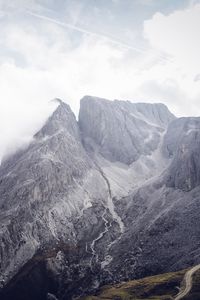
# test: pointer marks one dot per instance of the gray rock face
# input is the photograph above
(35, 188)
(122, 131)
(182, 141)
(109, 198)
(162, 235)
(162, 216)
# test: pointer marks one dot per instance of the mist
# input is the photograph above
(61, 51)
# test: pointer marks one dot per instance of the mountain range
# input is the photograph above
(109, 198)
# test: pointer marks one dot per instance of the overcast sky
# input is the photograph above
(138, 50)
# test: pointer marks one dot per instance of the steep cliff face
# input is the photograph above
(123, 182)
(182, 141)
(55, 198)
(161, 216)
(122, 131)
(162, 232)
(43, 188)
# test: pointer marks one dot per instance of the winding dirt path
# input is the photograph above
(187, 283)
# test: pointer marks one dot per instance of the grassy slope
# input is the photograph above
(160, 287)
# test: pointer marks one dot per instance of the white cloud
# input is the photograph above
(40, 60)
(147, 2)
(178, 35)
(50, 68)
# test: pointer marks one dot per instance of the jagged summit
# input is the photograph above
(123, 181)
(62, 119)
(111, 124)
(57, 100)
(158, 113)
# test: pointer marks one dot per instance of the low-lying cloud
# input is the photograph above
(41, 60)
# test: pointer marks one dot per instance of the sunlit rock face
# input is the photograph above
(111, 197)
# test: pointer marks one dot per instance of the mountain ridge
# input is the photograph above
(102, 187)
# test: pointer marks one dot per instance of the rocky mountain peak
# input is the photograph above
(107, 125)
(155, 113)
(124, 181)
(62, 119)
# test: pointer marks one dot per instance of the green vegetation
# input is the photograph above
(160, 287)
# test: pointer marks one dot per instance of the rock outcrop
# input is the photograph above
(41, 188)
(122, 131)
(182, 142)
(112, 197)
